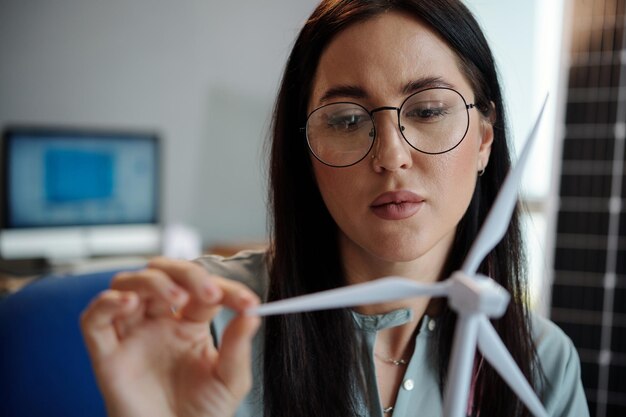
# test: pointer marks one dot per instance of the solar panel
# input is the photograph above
(589, 292)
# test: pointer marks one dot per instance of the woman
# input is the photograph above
(402, 152)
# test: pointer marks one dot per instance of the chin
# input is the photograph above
(399, 252)
(409, 249)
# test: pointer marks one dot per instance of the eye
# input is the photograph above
(426, 112)
(346, 122)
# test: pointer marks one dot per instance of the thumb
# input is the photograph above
(234, 365)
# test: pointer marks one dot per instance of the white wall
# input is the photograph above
(203, 73)
(526, 39)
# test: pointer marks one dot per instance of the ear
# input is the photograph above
(484, 151)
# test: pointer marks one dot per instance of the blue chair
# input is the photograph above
(44, 367)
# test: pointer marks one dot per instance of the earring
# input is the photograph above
(481, 172)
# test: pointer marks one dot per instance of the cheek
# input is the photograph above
(454, 180)
(343, 192)
(466, 156)
(455, 172)
(334, 185)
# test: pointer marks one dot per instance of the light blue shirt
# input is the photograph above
(563, 395)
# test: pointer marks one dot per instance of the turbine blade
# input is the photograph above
(496, 353)
(456, 393)
(378, 291)
(499, 216)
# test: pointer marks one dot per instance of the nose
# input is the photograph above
(391, 151)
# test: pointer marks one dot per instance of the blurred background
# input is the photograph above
(198, 78)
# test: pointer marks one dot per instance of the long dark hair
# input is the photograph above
(311, 362)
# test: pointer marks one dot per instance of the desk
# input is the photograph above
(15, 274)
(9, 284)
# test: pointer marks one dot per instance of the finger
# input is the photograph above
(204, 296)
(97, 321)
(233, 295)
(236, 295)
(207, 291)
(153, 285)
(190, 276)
(234, 365)
(205, 288)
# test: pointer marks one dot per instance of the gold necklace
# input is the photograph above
(396, 362)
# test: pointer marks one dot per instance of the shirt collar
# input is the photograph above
(375, 322)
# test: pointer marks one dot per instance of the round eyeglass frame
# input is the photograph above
(400, 127)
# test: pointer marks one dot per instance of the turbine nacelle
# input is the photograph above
(477, 294)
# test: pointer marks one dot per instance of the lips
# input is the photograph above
(396, 205)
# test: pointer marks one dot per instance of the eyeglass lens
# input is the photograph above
(431, 121)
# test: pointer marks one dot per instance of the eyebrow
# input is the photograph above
(423, 83)
(356, 92)
(349, 91)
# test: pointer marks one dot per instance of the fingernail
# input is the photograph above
(246, 298)
(126, 299)
(211, 293)
(175, 293)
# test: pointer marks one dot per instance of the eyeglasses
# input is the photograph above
(433, 121)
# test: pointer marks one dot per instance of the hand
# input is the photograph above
(150, 361)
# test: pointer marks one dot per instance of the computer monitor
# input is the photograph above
(70, 193)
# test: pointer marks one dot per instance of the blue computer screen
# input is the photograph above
(62, 179)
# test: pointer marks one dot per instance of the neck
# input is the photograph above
(360, 266)
(396, 342)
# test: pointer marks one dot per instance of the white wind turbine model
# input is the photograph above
(474, 297)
